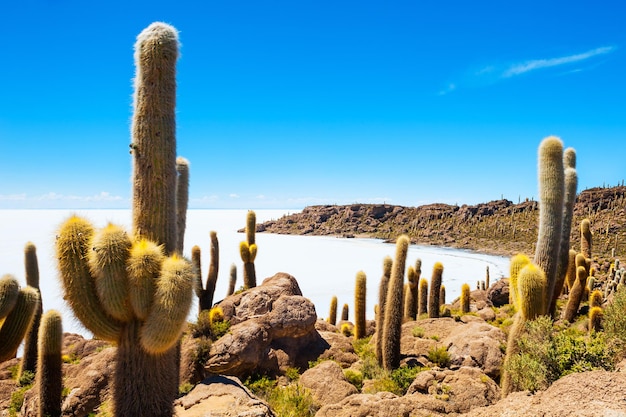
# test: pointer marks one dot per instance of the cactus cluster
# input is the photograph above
(17, 310)
(247, 250)
(205, 292)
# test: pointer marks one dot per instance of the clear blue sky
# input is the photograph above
(283, 104)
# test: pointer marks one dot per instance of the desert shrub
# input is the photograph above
(211, 324)
(354, 377)
(439, 356)
(385, 383)
(615, 321)
(17, 399)
(547, 354)
(417, 331)
(292, 400)
(184, 388)
(404, 376)
(370, 368)
(292, 374)
(27, 378)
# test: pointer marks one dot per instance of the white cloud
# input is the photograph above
(260, 197)
(518, 69)
(102, 196)
(448, 89)
(233, 195)
(12, 197)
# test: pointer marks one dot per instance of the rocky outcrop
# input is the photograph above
(497, 227)
(272, 328)
(327, 383)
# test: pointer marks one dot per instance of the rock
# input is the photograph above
(339, 348)
(221, 396)
(327, 383)
(324, 326)
(487, 314)
(276, 333)
(498, 293)
(586, 394)
(384, 404)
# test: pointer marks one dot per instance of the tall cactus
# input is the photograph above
(422, 297)
(29, 357)
(17, 309)
(345, 312)
(585, 238)
(464, 300)
(182, 201)
(232, 280)
(576, 294)
(551, 198)
(136, 290)
(570, 274)
(49, 364)
(247, 250)
(332, 314)
(393, 307)
(360, 292)
(382, 300)
(435, 287)
(206, 292)
(410, 303)
(518, 262)
(532, 288)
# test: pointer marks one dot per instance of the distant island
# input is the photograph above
(498, 227)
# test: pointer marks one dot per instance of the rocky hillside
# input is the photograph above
(497, 227)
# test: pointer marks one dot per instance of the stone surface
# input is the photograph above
(327, 383)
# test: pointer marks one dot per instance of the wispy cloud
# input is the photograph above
(518, 69)
(491, 74)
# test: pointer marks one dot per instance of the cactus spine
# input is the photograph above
(465, 298)
(147, 285)
(551, 198)
(49, 364)
(248, 250)
(435, 287)
(29, 357)
(393, 307)
(382, 300)
(359, 305)
(17, 310)
(332, 315)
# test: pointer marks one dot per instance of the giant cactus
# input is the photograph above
(360, 291)
(382, 300)
(206, 292)
(393, 307)
(182, 200)
(410, 302)
(17, 309)
(551, 198)
(135, 290)
(435, 287)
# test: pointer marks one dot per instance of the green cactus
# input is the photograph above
(585, 238)
(248, 250)
(393, 307)
(570, 275)
(136, 291)
(360, 292)
(465, 298)
(250, 227)
(532, 287)
(576, 295)
(433, 295)
(207, 292)
(345, 310)
(49, 364)
(182, 200)
(422, 297)
(332, 315)
(487, 281)
(411, 293)
(551, 199)
(29, 357)
(518, 262)
(16, 320)
(571, 184)
(232, 281)
(596, 314)
(196, 260)
(442, 295)
(595, 299)
(382, 299)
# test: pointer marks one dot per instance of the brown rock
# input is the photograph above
(327, 383)
(339, 348)
(384, 404)
(221, 396)
(291, 316)
(498, 293)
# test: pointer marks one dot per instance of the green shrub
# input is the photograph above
(439, 356)
(404, 376)
(547, 354)
(292, 374)
(354, 377)
(417, 331)
(386, 383)
(27, 378)
(292, 400)
(17, 399)
(615, 321)
(205, 326)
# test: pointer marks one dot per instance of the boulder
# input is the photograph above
(498, 293)
(339, 349)
(221, 396)
(327, 383)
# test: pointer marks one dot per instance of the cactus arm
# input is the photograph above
(72, 247)
(9, 290)
(17, 322)
(182, 201)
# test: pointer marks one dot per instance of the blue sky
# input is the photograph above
(283, 104)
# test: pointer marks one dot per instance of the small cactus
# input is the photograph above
(585, 238)
(332, 315)
(442, 295)
(595, 299)
(465, 298)
(576, 294)
(232, 282)
(532, 287)
(410, 302)
(422, 297)
(207, 291)
(596, 314)
(345, 311)
(18, 308)
(435, 286)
